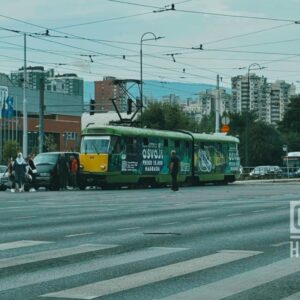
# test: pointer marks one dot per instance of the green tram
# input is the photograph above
(114, 156)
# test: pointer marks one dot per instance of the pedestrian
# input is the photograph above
(19, 171)
(11, 176)
(73, 171)
(32, 170)
(62, 171)
(174, 167)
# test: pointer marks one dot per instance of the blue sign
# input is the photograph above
(8, 108)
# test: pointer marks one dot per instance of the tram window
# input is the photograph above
(187, 144)
(145, 141)
(177, 144)
(166, 143)
(115, 145)
(131, 145)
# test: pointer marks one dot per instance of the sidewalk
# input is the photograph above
(261, 181)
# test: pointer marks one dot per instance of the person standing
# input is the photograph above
(32, 171)
(19, 170)
(73, 171)
(11, 175)
(62, 171)
(174, 169)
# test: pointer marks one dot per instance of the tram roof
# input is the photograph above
(146, 132)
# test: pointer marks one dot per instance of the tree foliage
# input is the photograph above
(167, 116)
(10, 149)
(207, 123)
(291, 120)
(264, 141)
(49, 143)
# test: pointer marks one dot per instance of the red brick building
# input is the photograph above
(106, 90)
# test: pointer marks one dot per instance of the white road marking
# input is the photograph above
(171, 223)
(23, 218)
(233, 215)
(79, 234)
(204, 218)
(295, 296)
(13, 207)
(128, 228)
(107, 287)
(96, 264)
(21, 244)
(257, 211)
(280, 244)
(51, 254)
(241, 282)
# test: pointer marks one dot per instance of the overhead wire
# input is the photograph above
(208, 13)
(149, 45)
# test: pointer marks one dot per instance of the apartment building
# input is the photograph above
(269, 100)
(108, 89)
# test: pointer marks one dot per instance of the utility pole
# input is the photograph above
(217, 106)
(25, 125)
(41, 113)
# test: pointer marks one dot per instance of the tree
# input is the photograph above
(167, 116)
(50, 145)
(291, 120)
(264, 141)
(265, 145)
(207, 123)
(10, 149)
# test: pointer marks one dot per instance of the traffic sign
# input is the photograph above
(225, 128)
(225, 120)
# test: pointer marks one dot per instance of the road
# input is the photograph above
(208, 242)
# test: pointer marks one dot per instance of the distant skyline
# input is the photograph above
(156, 89)
(102, 38)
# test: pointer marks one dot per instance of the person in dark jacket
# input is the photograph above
(174, 167)
(62, 171)
(19, 170)
(32, 171)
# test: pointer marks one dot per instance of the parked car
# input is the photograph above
(266, 172)
(46, 164)
(4, 181)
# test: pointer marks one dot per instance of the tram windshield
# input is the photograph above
(95, 144)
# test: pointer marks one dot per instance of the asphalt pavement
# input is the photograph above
(208, 242)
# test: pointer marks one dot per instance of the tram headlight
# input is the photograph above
(103, 167)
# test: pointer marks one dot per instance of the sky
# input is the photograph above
(98, 38)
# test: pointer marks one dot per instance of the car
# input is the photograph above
(4, 180)
(266, 172)
(46, 165)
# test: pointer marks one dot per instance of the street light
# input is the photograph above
(154, 37)
(254, 66)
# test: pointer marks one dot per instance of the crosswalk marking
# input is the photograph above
(280, 244)
(96, 264)
(79, 234)
(295, 296)
(21, 244)
(128, 228)
(98, 289)
(241, 282)
(51, 254)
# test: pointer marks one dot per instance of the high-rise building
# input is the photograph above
(107, 89)
(268, 100)
(34, 76)
(279, 96)
(242, 99)
(207, 101)
(69, 84)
